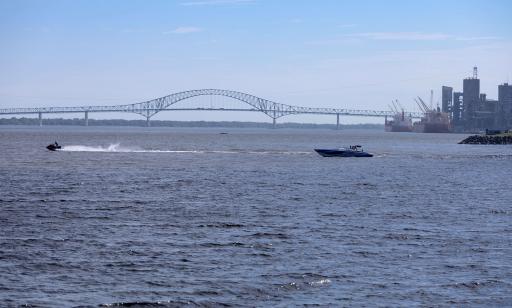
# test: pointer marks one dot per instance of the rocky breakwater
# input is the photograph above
(484, 139)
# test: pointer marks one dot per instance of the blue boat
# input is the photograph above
(352, 151)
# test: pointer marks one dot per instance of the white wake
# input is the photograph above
(117, 148)
(84, 148)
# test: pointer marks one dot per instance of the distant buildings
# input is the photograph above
(505, 105)
(471, 111)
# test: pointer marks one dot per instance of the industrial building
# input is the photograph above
(471, 111)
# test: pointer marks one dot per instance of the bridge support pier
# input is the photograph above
(274, 118)
(40, 119)
(148, 124)
(337, 121)
(87, 118)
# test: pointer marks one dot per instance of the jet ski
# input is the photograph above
(54, 147)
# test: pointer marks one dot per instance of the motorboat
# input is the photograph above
(54, 147)
(351, 151)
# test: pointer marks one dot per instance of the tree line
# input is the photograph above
(163, 123)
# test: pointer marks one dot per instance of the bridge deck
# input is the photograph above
(256, 104)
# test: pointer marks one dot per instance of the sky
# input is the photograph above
(318, 53)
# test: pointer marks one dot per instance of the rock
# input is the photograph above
(481, 139)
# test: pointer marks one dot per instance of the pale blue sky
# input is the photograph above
(342, 54)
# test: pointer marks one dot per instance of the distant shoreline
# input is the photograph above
(162, 123)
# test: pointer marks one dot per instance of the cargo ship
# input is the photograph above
(401, 122)
(433, 121)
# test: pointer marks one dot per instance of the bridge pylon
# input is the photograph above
(274, 117)
(148, 117)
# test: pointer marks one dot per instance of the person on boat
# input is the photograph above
(56, 144)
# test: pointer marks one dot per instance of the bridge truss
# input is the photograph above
(256, 104)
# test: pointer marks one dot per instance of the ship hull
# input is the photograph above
(437, 128)
(400, 123)
(432, 128)
(433, 122)
(398, 128)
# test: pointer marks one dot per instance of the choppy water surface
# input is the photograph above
(174, 217)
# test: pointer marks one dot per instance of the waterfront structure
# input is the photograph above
(472, 111)
(446, 99)
(505, 105)
(456, 109)
(471, 98)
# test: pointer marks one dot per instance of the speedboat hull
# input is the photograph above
(342, 153)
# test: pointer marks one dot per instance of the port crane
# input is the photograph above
(421, 103)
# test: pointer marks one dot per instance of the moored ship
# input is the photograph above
(433, 121)
(401, 121)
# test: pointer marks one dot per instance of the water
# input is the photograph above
(174, 217)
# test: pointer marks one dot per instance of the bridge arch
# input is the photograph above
(270, 108)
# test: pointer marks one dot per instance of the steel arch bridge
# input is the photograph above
(150, 108)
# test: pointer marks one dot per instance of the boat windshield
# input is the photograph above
(357, 148)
